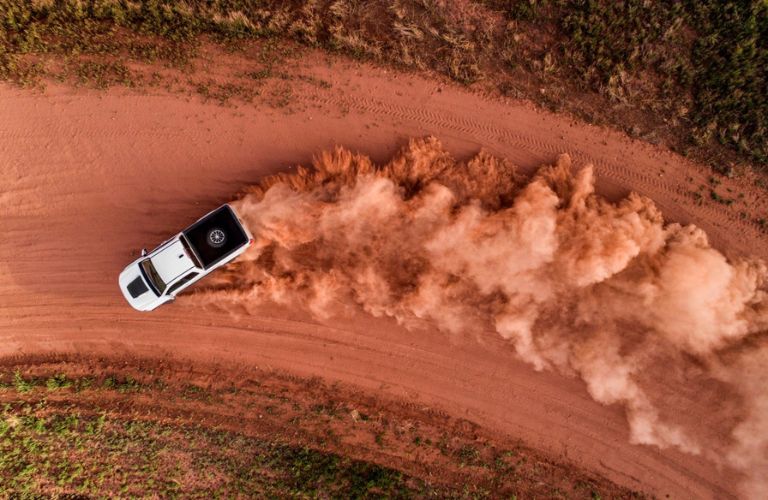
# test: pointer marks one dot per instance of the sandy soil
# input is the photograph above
(88, 178)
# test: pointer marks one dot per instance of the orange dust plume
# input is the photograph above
(604, 291)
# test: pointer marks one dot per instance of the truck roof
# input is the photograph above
(172, 262)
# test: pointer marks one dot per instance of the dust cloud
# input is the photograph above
(646, 313)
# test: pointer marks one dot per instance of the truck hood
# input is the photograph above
(135, 290)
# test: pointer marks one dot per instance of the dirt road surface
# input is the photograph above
(89, 177)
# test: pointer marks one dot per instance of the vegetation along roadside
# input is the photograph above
(691, 75)
(71, 426)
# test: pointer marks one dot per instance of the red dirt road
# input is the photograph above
(89, 178)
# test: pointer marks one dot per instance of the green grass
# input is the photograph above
(59, 381)
(698, 68)
(102, 435)
(703, 62)
(20, 383)
(45, 450)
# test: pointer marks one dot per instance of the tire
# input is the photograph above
(216, 237)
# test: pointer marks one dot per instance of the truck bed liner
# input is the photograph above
(198, 235)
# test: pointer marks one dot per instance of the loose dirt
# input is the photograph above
(91, 177)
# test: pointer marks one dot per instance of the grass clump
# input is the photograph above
(21, 384)
(58, 381)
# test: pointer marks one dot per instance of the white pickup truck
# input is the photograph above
(158, 276)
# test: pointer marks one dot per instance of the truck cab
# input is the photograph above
(158, 276)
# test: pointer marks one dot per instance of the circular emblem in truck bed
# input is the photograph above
(216, 237)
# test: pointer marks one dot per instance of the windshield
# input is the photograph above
(150, 274)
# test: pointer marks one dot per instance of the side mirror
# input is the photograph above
(143, 252)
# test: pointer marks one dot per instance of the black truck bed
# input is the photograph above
(199, 236)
